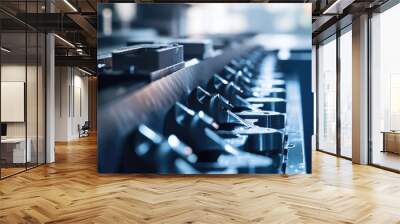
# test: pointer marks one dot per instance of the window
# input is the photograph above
(327, 97)
(346, 94)
(385, 89)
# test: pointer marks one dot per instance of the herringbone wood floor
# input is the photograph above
(70, 191)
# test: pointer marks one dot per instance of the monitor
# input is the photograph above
(3, 129)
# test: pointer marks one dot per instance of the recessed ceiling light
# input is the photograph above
(84, 71)
(64, 40)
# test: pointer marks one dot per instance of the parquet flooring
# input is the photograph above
(11, 170)
(71, 191)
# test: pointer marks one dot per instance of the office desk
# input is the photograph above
(391, 141)
(13, 150)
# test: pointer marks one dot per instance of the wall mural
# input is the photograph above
(204, 88)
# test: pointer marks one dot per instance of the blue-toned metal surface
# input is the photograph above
(241, 111)
(119, 118)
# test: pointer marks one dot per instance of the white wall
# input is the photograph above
(71, 94)
(16, 72)
(61, 103)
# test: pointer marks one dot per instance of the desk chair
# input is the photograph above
(84, 130)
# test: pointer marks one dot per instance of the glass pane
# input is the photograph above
(32, 97)
(327, 97)
(13, 88)
(385, 89)
(346, 94)
(23, 82)
(41, 98)
(32, 88)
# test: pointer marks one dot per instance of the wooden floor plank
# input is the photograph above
(71, 191)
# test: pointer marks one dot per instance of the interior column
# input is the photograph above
(360, 90)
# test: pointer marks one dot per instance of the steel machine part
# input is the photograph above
(225, 112)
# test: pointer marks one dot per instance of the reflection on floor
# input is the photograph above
(9, 170)
(386, 159)
(71, 191)
(346, 151)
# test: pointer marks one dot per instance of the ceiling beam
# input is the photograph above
(84, 24)
(321, 22)
(337, 7)
(79, 61)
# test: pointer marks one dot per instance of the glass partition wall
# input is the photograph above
(334, 94)
(13, 108)
(22, 77)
